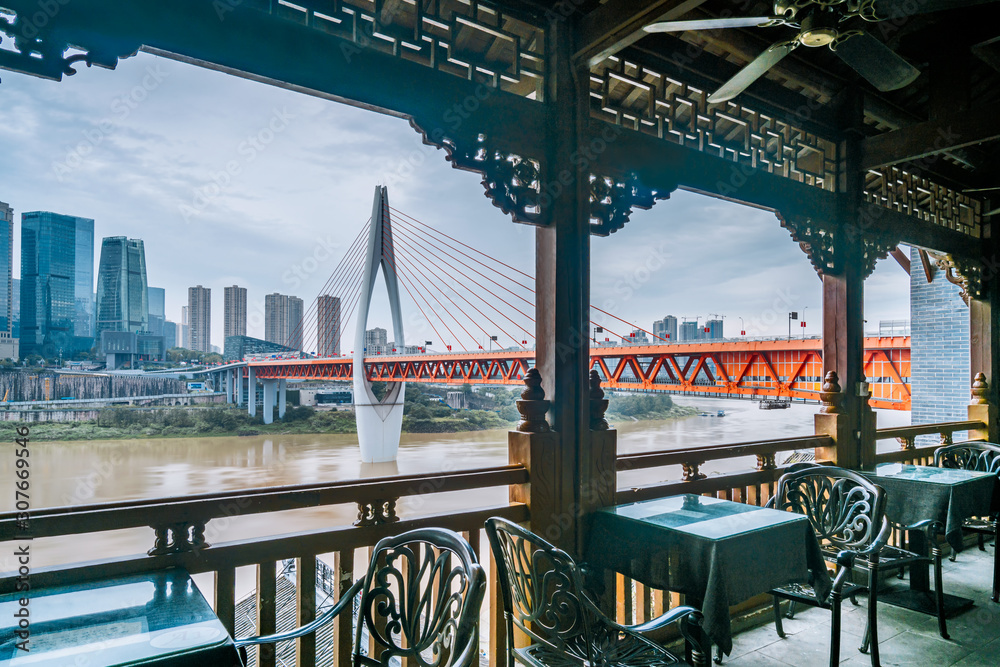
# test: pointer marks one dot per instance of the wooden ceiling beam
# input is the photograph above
(619, 23)
(930, 138)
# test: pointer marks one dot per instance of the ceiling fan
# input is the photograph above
(836, 24)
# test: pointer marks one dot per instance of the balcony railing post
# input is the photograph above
(982, 409)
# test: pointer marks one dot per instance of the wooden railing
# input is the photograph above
(179, 526)
(906, 436)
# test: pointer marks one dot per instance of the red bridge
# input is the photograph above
(771, 368)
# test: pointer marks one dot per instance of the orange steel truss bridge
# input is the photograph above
(725, 368)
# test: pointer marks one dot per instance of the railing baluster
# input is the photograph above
(343, 574)
(498, 626)
(624, 597)
(305, 586)
(225, 598)
(267, 604)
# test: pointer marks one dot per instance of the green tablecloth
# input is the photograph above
(717, 551)
(946, 495)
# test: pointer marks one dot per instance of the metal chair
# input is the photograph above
(847, 513)
(420, 602)
(543, 596)
(980, 456)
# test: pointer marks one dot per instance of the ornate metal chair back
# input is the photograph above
(846, 510)
(542, 590)
(969, 455)
(421, 601)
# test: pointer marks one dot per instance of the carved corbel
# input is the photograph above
(612, 201)
(817, 240)
(967, 274)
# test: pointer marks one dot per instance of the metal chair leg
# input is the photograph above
(871, 631)
(939, 593)
(791, 609)
(996, 566)
(777, 617)
(835, 599)
(718, 655)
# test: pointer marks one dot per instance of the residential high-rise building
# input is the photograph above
(8, 344)
(376, 341)
(328, 326)
(122, 290)
(666, 329)
(169, 334)
(714, 329)
(15, 308)
(157, 310)
(690, 331)
(57, 284)
(235, 320)
(637, 337)
(200, 316)
(283, 320)
(185, 329)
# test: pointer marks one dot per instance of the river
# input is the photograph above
(77, 473)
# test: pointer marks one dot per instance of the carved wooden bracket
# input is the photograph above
(947, 439)
(830, 394)
(827, 246)
(376, 513)
(906, 443)
(598, 404)
(515, 185)
(967, 274)
(183, 537)
(980, 390)
(692, 471)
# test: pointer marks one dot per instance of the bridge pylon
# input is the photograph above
(380, 422)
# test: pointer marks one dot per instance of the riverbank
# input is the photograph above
(219, 421)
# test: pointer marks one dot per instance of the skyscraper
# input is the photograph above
(157, 310)
(169, 334)
(200, 316)
(8, 345)
(714, 329)
(235, 321)
(122, 289)
(665, 328)
(690, 331)
(57, 283)
(185, 329)
(376, 341)
(283, 320)
(328, 326)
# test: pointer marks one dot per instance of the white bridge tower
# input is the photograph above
(379, 422)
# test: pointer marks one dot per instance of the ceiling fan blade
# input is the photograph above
(707, 24)
(894, 9)
(752, 72)
(876, 62)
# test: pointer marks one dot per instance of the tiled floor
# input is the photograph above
(906, 637)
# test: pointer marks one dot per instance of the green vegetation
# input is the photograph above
(424, 412)
(646, 406)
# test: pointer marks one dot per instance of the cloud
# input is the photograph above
(153, 135)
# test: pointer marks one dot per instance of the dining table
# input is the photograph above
(716, 552)
(156, 619)
(944, 496)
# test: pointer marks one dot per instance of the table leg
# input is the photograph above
(918, 596)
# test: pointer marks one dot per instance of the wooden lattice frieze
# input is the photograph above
(900, 190)
(470, 39)
(645, 100)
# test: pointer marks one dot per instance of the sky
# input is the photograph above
(229, 181)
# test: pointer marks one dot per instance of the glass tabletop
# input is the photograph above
(929, 474)
(709, 518)
(130, 619)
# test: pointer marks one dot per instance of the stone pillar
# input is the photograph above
(282, 389)
(252, 391)
(270, 391)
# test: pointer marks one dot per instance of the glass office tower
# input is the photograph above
(122, 290)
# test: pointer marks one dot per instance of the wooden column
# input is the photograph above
(853, 426)
(562, 310)
(984, 343)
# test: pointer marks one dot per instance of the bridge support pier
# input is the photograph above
(239, 387)
(252, 391)
(270, 391)
(282, 389)
(229, 385)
